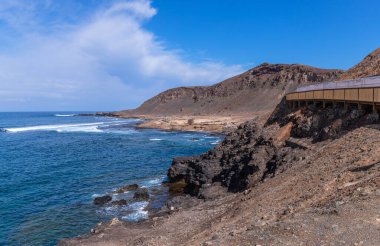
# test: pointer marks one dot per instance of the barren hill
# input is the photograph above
(260, 88)
(370, 66)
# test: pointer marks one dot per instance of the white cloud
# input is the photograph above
(109, 61)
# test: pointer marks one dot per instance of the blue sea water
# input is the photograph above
(52, 165)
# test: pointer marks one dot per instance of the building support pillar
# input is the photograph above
(374, 109)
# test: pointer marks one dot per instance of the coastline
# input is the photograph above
(301, 199)
(306, 174)
(219, 124)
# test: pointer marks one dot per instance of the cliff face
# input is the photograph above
(244, 158)
(260, 88)
(370, 66)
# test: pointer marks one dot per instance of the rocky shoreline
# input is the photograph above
(305, 177)
(302, 175)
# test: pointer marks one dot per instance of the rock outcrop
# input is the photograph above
(251, 154)
(127, 188)
(102, 200)
(245, 157)
(141, 194)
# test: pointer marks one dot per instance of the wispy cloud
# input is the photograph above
(107, 60)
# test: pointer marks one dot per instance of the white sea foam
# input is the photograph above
(216, 142)
(136, 216)
(139, 212)
(64, 115)
(152, 182)
(138, 205)
(83, 127)
(59, 128)
(155, 139)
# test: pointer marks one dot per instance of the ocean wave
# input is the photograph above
(155, 139)
(136, 216)
(84, 127)
(92, 127)
(153, 182)
(96, 195)
(138, 211)
(135, 211)
(64, 115)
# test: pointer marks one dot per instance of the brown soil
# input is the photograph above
(329, 196)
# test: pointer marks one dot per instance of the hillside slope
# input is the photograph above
(327, 194)
(260, 88)
(370, 66)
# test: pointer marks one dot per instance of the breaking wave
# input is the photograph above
(84, 127)
(64, 115)
(155, 139)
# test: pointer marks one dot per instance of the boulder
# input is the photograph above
(127, 188)
(141, 194)
(102, 199)
(119, 202)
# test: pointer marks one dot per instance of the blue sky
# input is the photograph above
(110, 55)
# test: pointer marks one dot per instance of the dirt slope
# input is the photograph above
(260, 88)
(329, 195)
(370, 66)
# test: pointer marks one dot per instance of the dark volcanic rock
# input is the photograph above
(102, 200)
(127, 188)
(328, 123)
(141, 194)
(245, 157)
(119, 202)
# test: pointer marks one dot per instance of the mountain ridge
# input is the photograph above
(259, 88)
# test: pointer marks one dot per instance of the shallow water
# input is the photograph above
(52, 165)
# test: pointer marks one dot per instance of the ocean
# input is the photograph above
(52, 166)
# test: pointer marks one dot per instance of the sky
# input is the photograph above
(104, 55)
